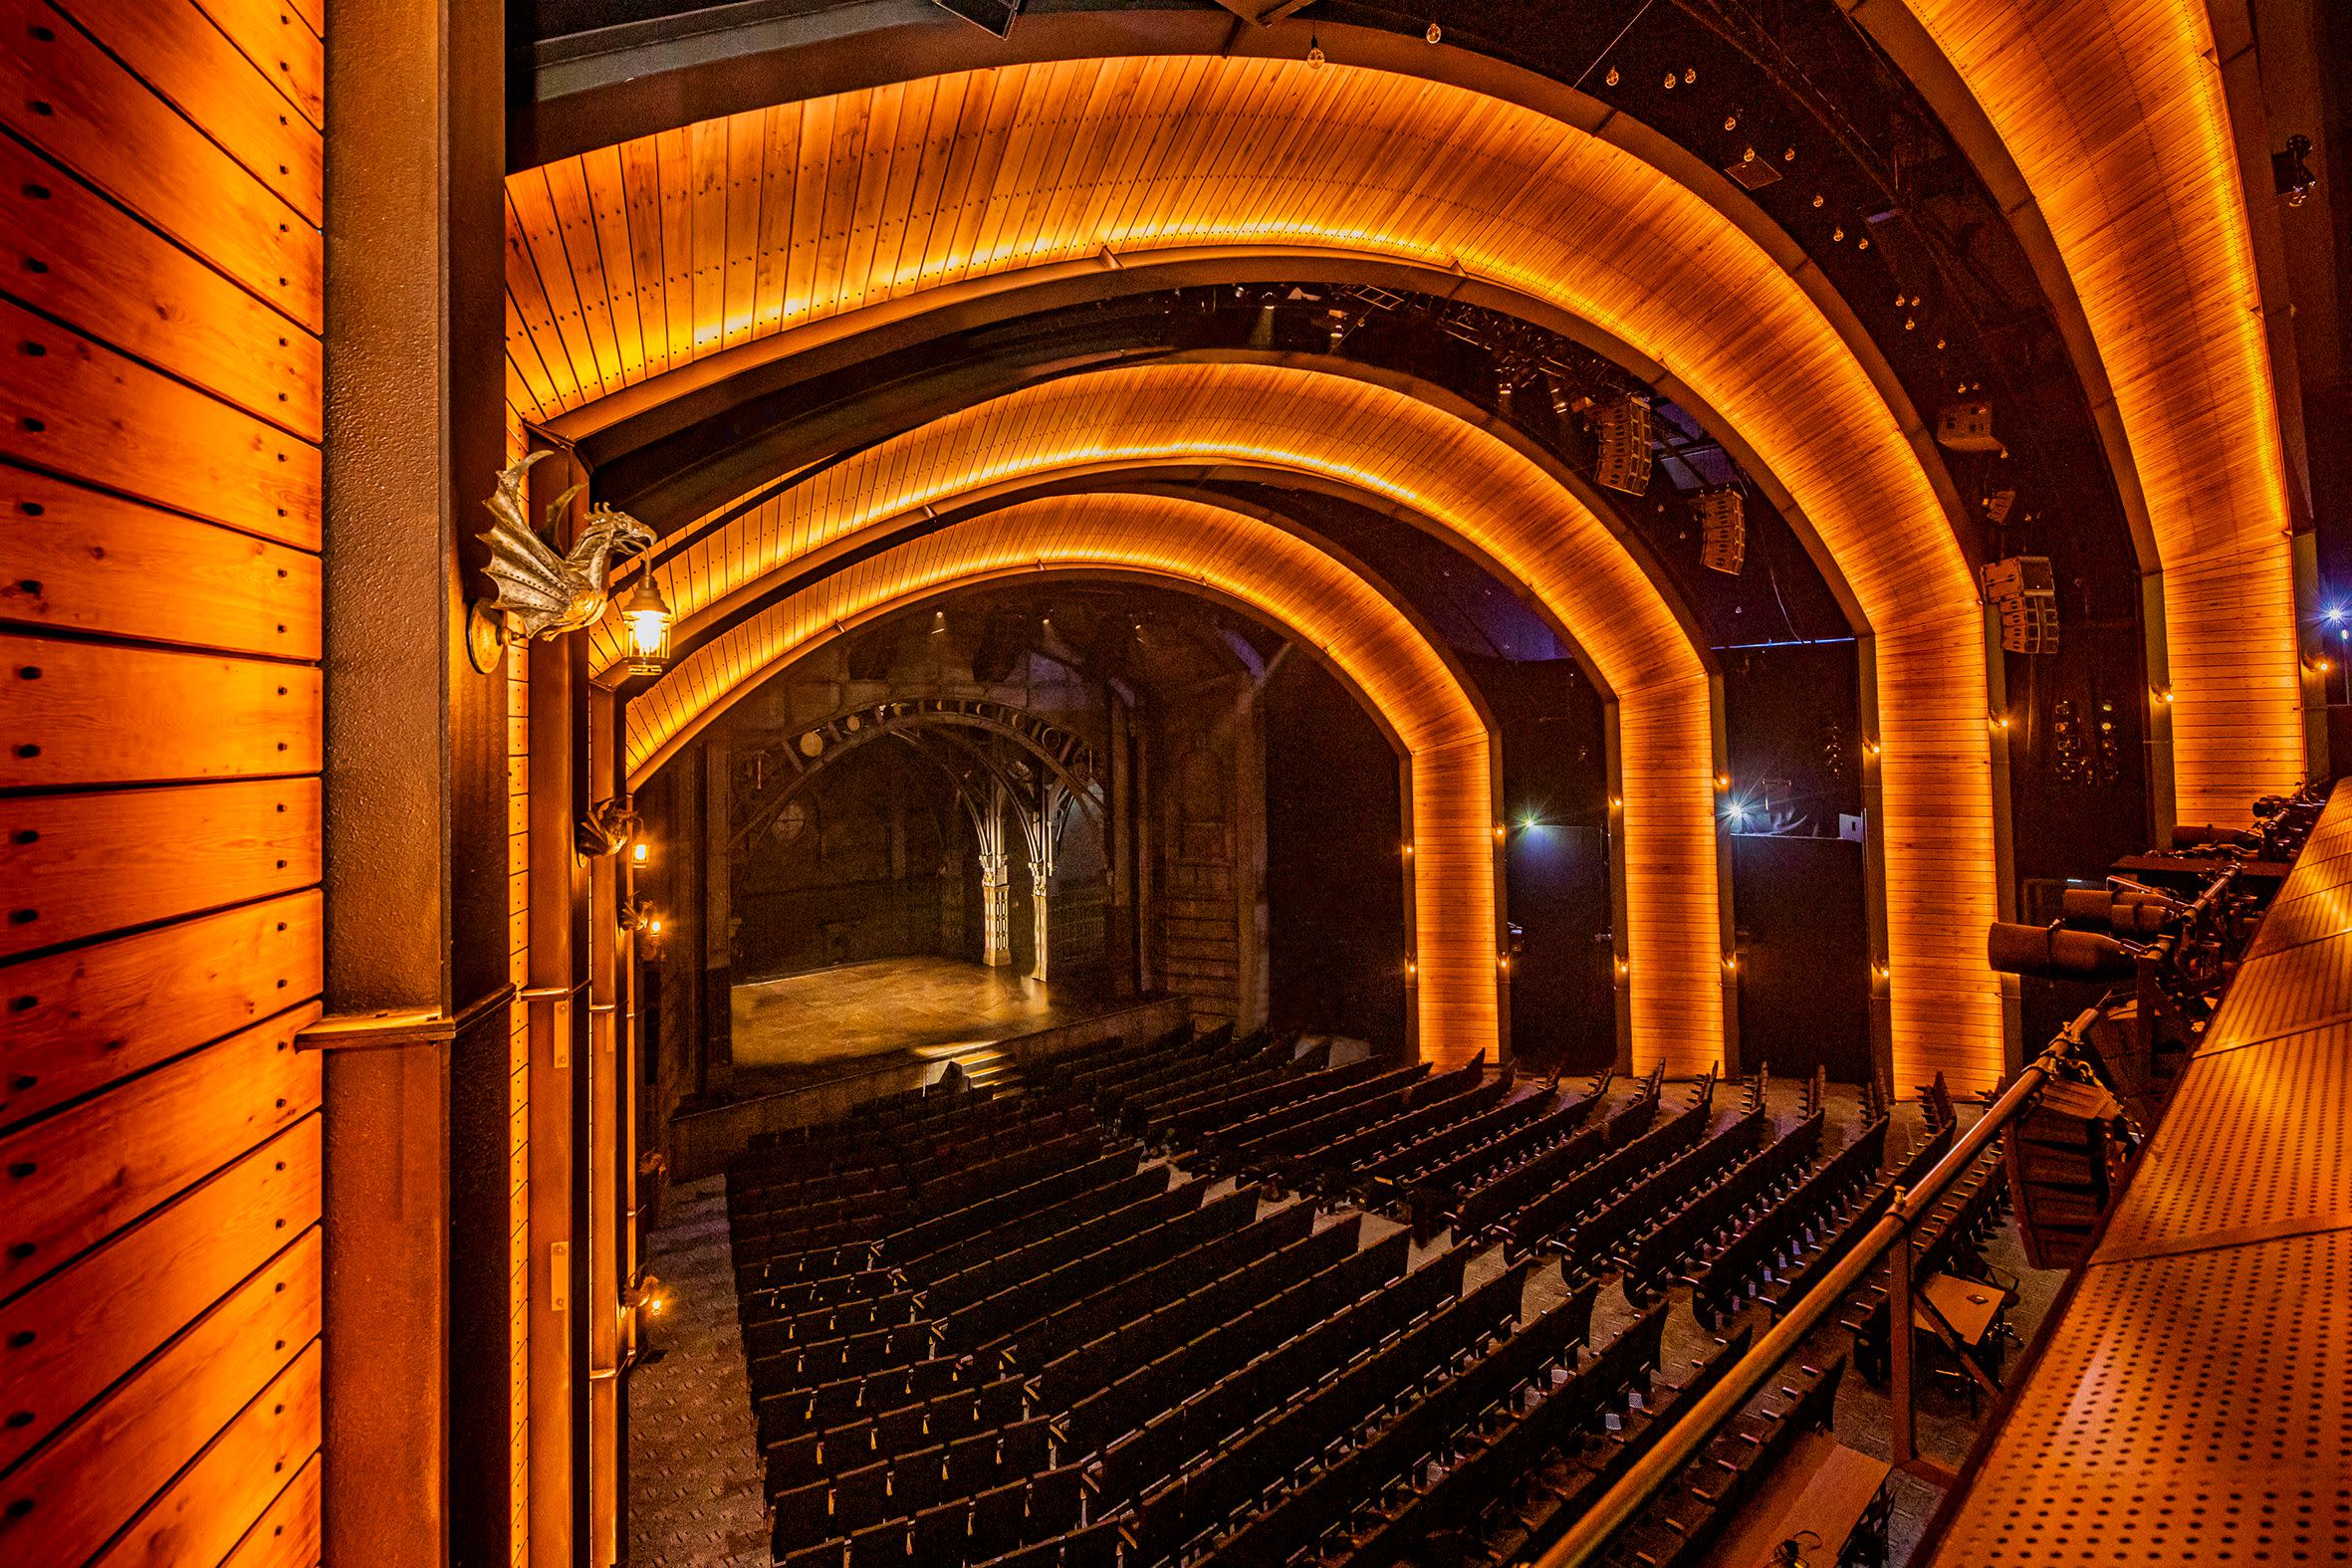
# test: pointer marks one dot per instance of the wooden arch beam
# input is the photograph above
(2107, 134)
(909, 186)
(1460, 987)
(1375, 442)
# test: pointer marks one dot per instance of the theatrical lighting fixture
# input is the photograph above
(638, 916)
(1314, 53)
(649, 1296)
(2291, 174)
(647, 616)
(2162, 696)
(1433, 34)
(1967, 427)
(1723, 782)
(938, 622)
(2025, 591)
(538, 591)
(607, 829)
(1723, 530)
(1408, 851)
(2054, 953)
(1623, 428)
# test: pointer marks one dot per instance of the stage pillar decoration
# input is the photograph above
(995, 878)
(1044, 831)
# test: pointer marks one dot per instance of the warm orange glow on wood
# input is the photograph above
(643, 258)
(2115, 116)
(1309, 593)
(1394, 449)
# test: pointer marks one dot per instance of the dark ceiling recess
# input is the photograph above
(995, 15)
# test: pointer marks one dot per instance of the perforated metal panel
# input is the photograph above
(2292, 922)
(2257, 1142)
(2189, 1410)
(2280, 992)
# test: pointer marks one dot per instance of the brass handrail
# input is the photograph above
(1649, 1475)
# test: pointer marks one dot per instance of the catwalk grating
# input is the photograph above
(2281, 993)
(2194, 1401)
(2194, 1408)
(2291, 922)
(2256, 1140)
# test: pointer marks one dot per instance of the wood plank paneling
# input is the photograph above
(204, 1513)
(77, 407)
(281, 46)
(79, 713)
(79, 1020)
(58, 1509)
(68, 1339)
(75, 1177)
(77, 255)
(175, 49)
(75, 559)
(161, 384)
(76, 866)
(62, 93)
(286, 1536)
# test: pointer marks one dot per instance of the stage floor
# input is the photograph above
(926, 1005)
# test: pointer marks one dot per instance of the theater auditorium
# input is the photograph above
(1176, 783)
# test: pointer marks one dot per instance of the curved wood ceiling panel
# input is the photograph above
(1375, 441)
(637, 259)
(2113, 110)
(1308, 593)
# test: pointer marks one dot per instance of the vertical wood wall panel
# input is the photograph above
(159, 847)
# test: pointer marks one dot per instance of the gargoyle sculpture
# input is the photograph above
(539, 593)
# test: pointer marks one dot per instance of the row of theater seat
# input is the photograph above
(1052, 1353)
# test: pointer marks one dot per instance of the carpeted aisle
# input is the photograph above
(693, 1463)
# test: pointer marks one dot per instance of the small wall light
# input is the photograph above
(647, 616)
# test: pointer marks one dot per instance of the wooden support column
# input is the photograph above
(417, 1420)
(718, 920)
(607, 1155)
(557, 999)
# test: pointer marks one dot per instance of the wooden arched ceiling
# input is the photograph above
(2115, 119)
(1321, 602)
(637, 259)
(1366, 438)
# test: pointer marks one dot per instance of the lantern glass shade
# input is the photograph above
(647, 616)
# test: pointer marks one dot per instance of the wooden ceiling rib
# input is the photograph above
(1305, 590)
(901, 189)
(1375, 441)
(2114, 113)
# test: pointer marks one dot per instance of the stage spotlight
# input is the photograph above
(2336, 615)
(2054, 953)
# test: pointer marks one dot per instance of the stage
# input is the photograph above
(810, 1047)
(936, 1007)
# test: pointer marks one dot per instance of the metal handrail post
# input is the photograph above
(1900, 1350)
(1680, 1444)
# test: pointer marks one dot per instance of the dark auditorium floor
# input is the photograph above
(694, 1479)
